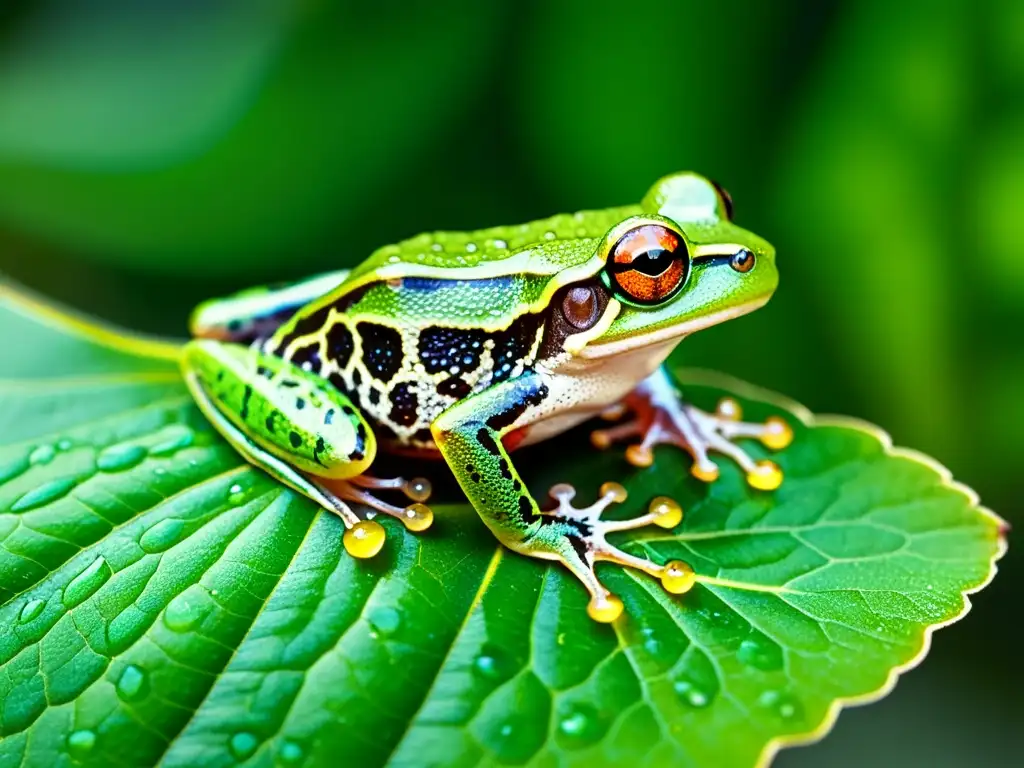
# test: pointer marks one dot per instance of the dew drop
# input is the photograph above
(118, 458)
(87, 582)
(42, 455)
(500, 245)
(175, 437)
(491, 664)
(761, 653)
(236, 494)
(691, 694)
(470, 247)
(13, 469)
(133, 684)
(162, 536)
(385, 620)
(30, 610)
(579, 725)
(65, 445)
(243, 744)
(290, 753)
(183, 613)
(81, 742)
(549, 235)
(44, 494)
(784, 705)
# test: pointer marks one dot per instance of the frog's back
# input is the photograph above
(435, 318)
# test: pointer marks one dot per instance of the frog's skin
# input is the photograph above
(471, 344)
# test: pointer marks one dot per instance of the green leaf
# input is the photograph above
(162, 602)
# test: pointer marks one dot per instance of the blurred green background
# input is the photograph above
(154, 154)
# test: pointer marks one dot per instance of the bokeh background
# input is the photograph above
(156, 153)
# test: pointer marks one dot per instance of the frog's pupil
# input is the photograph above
(653, 262)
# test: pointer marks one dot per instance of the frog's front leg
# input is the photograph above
(302, 431)
(469, 437)
(660, 416)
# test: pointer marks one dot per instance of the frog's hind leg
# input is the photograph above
(256, 313)
(661, 417)
(299, 429)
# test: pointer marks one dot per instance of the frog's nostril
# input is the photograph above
(743, 260)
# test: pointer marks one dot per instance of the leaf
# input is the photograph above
(162, 602)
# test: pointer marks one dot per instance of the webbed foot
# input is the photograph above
(578, 537)
(659, 417)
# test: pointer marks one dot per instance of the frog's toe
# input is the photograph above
(587, 533)
(415, 517)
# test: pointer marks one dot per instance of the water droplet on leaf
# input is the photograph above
(385, 620)
(30, 610)
(243, 744)
(42, 455)
(132, 684)
(118, 458)
(290, 753)
(691, 694)
(580, 725)
(81, 742)
(175, 437)
(783, 704)
(183, 613)
(761, 653)
(44, 494)
(87, 582)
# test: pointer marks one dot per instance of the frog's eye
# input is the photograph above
(743, 260)
(581, 307)
(649, 263)
(726, 199)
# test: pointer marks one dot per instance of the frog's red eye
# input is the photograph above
(726, 199)
(649, 263)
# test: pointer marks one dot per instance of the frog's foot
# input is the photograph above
(659, 417)
(416, 516)
(577, 537)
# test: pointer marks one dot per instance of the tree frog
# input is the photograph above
(469, 345)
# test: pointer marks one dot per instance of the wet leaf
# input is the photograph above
(162, 602)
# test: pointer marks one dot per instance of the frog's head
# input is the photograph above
(678, 266)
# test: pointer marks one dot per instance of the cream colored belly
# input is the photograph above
(582, 388)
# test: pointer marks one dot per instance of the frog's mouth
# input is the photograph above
(669, 333)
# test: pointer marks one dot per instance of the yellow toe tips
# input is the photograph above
(707, 473)
(614, 491)
(777, 434)
(364, 539)
(678, 577)
(418, 489)
(605, 609)
(667, 512)
(639, 456)
(728, 410)
(417, 517)
(765, 476)
(600, 439)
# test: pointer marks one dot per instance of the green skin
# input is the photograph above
(463, 344)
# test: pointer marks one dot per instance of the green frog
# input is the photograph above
(469, 345)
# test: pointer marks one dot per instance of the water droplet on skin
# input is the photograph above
(118, 458)
(80, 743)
(784, 705)
(290, 753)
(44, 494)
(385, 620)
(761, 653)
(549, 235)
(133, 684)
(87, 582)
(175, 437)
(579, 725)
(30, 610)
(691, 694)
(162, 536)
(500, 245)
(243, 744)
(42, 455)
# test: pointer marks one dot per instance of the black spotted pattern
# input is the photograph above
(308, 357)
(340, 344)
(455, 350)
(454, 386)
(304, 326)
(404, 403)
(513, 344)
(382, 350)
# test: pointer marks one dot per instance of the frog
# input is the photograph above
(469, 346)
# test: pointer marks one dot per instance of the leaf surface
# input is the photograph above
(163, 603)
